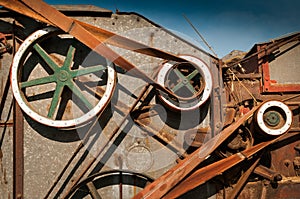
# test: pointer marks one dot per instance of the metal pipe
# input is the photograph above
(267, 173)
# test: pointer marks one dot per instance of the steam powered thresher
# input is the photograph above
(96, 104)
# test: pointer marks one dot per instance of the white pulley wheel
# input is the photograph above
(55, 83)
(274, 118)
(191, 81)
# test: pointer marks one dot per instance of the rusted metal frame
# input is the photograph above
(102, 34)
(269, 49)
(80, 146)
(150, 129)
(265, 50)
(18, 153)
(100, 150)
(156, 134)
(79, 32)
(204, 174)
(269, 86)
(19, 7)
(243, 179)
(18, 144)
(171, 178)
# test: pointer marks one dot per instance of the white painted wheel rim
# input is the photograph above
(25, 106)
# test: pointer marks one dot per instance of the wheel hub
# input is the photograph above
(63, 76)
(272, 118)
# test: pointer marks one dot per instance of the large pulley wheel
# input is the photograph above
(57, 82)
(111, 184)
(190, 81)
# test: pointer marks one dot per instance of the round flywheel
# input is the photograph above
(58, 81)
(190, 81)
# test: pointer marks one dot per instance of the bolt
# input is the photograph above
(277, 177)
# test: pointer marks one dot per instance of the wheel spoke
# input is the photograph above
(69, 58)
(88, 70)
(192, 74)
(177, 87)
(46, 57)
(179, 74)
(38, 81)
(191, 88)
(77, 91)
(55, 99)
(186, 79)
(93, 190)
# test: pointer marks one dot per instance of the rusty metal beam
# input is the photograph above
(267, 173)
(74, 28)
(217, 168)
(166, 182)
(243, 179)
(18, 153)
(101, 149)
(103, 35)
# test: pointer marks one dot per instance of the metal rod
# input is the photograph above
(268, 173)
(166, 182)
(18, 153)
(94, 158)
(18, 142)
(203, 39)
(75, 29)
(243, 179)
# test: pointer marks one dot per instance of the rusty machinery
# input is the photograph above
(248, 134)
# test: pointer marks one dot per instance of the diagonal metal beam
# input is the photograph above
(166, 182)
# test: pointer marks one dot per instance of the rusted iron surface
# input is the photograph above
(18, 188)
(243, 79)
(166, 182)
(103, 35)
(100, 150)
(89, 39)
(267, 173)
(244, 178)
(206, 173)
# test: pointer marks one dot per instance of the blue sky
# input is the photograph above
(226, 25)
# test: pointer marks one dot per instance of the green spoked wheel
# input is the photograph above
(58, 81)
(190, 81)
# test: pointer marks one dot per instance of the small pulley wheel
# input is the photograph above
(57, 83)
(190, 81)
(273, 118)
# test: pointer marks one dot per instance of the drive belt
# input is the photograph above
(170, 179)
(93, 37)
